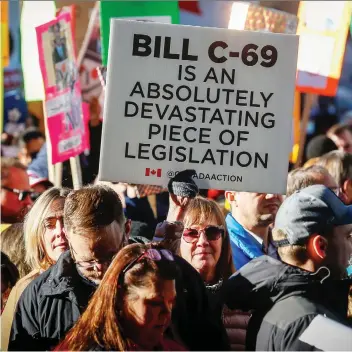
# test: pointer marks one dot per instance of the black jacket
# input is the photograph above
(284, 300)
(49, 306)
(54, 301)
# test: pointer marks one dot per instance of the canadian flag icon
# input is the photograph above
(152, 172)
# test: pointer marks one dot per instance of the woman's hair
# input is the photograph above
(338, 164)
(199, 211)
(12, 244)
(100, 325)
(34, 229)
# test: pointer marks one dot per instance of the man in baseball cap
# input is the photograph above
(313, 227)
(313, 233)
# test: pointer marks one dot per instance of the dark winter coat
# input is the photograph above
(49, 307)
(284, 300)
(54, 301)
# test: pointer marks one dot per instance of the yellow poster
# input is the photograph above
(4, 32)
(323, 28)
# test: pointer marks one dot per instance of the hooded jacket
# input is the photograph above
(284, 301)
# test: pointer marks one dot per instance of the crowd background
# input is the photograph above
(104, 268)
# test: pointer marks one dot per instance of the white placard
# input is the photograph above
(327, 335)
(159, 19)
(215, 100)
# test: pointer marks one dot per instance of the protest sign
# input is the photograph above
(83, 11)
(326, 334)
(155, 11)
(253, 17)
(4, 33)
(89, 59)
(215, 100)
(63, 102)
(323, 29)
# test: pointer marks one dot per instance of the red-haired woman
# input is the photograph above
(132, 307)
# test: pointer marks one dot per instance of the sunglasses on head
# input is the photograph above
(151, 253)
(212, 233)
(22, 195)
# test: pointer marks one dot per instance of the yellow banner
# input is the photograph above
(323, 28)
(4, 9)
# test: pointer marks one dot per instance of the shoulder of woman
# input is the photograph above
(24, 281)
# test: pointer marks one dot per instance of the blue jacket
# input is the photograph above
(244, 246)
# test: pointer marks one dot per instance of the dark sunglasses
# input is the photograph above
(151, 253)
(213, 233)
(22, 195)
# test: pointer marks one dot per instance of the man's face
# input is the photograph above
(34, 145)
(343, 141)
(30, 151)
(12, 208)
(93, 254)
(339, 250)
(258, 208)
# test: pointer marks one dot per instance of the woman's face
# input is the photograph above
(54, 237)
(203, 254)
(147, 313)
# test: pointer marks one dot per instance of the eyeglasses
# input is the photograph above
(22, 195)
(91, 264)
(213, 233)
(151, 253)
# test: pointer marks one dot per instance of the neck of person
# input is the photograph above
(309, 265)
(209, 277)
(143, 345)
(259, 230)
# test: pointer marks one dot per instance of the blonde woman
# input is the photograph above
(44, 242)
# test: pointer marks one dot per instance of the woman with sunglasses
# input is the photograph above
(132, 307)
(205, 244)
(45, 241)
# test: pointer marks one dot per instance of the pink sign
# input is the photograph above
(63, 100)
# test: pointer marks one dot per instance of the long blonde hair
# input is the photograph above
(34, 229)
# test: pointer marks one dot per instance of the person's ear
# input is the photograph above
(128, 226)
(230, 196)
(317, 247)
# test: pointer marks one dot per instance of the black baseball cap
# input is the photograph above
(309, 211)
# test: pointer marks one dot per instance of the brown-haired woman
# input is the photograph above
(132, 307)
(205, 244)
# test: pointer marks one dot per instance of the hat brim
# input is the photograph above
(345, 218)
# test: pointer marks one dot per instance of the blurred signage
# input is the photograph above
(323, 28)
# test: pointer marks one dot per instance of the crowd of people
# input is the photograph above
(97, 269)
